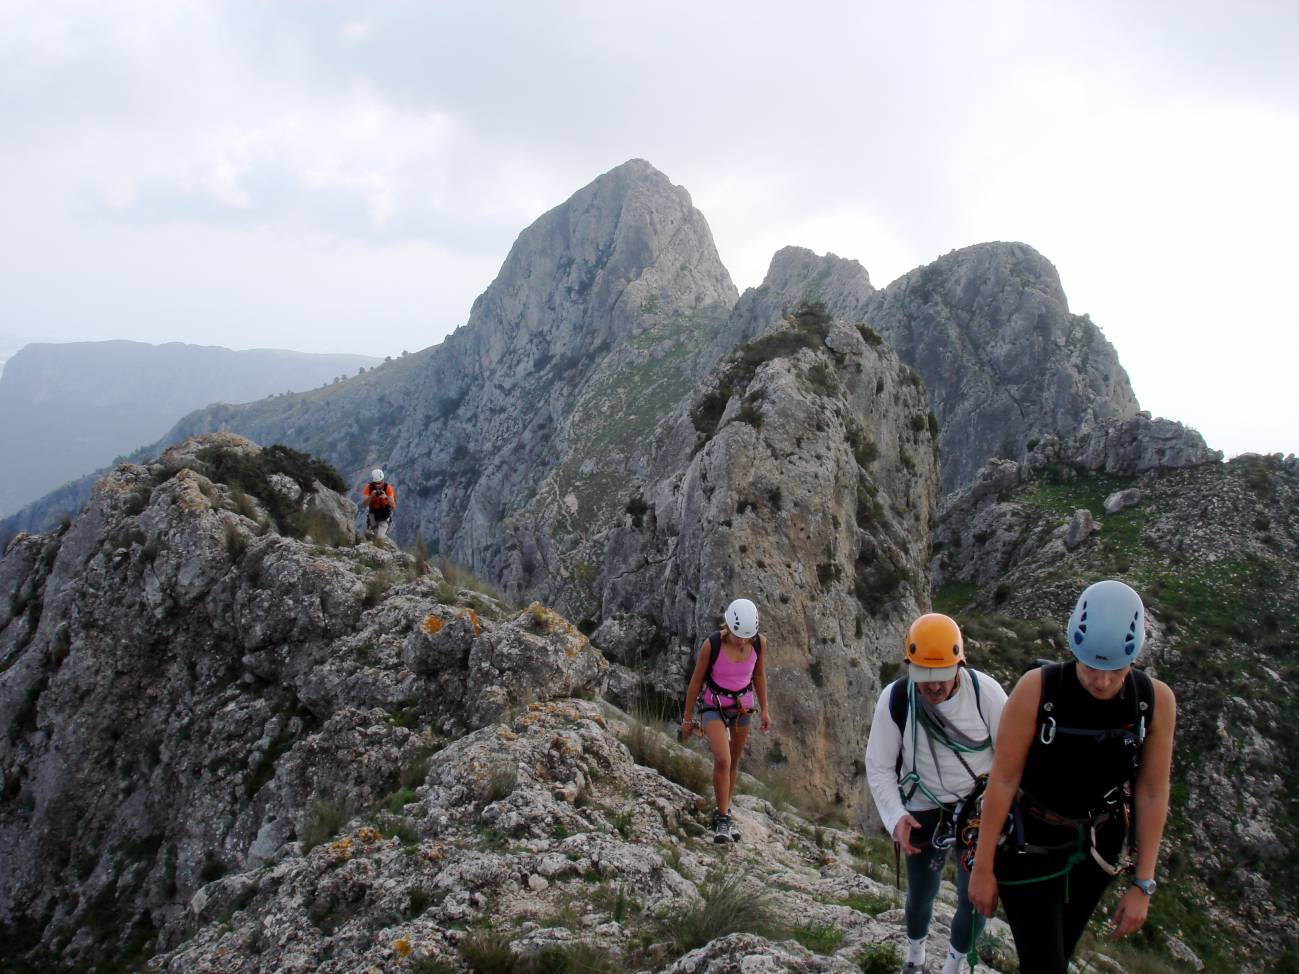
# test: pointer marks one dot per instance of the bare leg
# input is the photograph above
(715, 731)
(738, 737)
(381, 530)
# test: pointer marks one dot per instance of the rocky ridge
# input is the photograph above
(234, 749)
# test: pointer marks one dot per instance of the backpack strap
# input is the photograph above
(899, 701)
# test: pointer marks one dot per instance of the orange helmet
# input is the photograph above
(933, 648)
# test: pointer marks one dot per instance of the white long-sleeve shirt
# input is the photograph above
(948, 779)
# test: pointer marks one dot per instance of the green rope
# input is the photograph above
(1075, 857)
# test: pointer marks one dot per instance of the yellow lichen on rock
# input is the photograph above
(433, 625)
(368, 834)
(474, 622)
(402, 947)
(340, 850)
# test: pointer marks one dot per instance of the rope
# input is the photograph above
(1075, 857)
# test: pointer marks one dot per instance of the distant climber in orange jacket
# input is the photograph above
(380, 501)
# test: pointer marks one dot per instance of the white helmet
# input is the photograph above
(742, 618)
(376, 474)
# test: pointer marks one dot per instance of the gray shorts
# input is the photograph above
(706, 717)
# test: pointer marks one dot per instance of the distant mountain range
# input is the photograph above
(68, 409)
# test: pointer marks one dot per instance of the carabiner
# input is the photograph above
(1047, 736)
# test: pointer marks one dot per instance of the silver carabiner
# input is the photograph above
(1047, 736)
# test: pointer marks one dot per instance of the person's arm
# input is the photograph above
(760, 685)
(1015, 732)
(1150, 799)
(882, 749)
(692, 691)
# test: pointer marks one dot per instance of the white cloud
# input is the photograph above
(1147, 150)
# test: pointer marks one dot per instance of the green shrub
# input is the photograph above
(870, 335)
(732, 904)
(575, 958)
(251, 474)
(872, 904)
(820, 938)
(676, 763)
(878, 959)
(489, 952)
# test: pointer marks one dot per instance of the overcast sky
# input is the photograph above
(348, 177)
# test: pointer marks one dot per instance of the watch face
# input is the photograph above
(1146, 886)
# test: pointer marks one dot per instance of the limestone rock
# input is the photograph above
(1138, 444)
(990, 331)
(1121, 500)
(802, 477)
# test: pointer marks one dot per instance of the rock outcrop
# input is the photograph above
(188, 691)
(804, 476)
(989, 330)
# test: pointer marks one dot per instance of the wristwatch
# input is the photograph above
(1146, 886)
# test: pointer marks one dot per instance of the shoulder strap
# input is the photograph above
(1052, 679)
(714, 648)
(898, 703)
(1144, 700)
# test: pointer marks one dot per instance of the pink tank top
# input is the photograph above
(733, 676)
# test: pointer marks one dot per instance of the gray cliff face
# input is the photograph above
(512, 444)
(804, 476)
(989, 330)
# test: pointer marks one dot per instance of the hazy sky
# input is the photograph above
(348, 177)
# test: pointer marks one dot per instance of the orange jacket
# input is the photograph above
(376, 496)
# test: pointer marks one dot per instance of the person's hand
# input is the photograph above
(902, 834)
(1130, 914)
(764, 725)
(983, 891)
(687, 728)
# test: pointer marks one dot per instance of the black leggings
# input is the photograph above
(1046, 927)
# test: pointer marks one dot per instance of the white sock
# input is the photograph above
(952, 965)
(916, 950)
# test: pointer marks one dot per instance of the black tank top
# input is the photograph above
(1073, 775)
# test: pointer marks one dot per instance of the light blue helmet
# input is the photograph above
(1108, 626)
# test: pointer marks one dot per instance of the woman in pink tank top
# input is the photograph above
(730, 671)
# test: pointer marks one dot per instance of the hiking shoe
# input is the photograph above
(722, 831)
(910, 968)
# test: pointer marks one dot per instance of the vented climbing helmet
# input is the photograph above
(376, 475)
(742, 618)
(933, 648)
(1108, 626)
